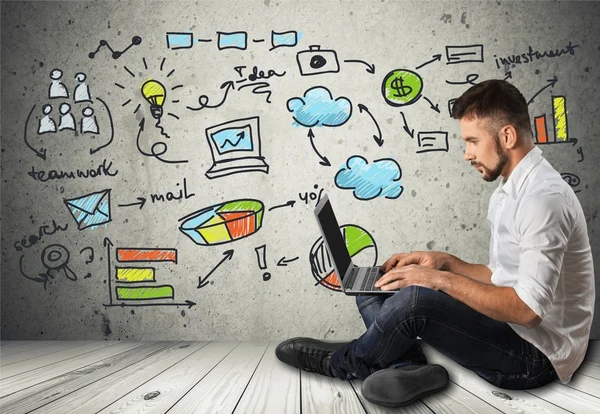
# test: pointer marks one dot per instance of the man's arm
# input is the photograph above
(478, 272)
(498, 302)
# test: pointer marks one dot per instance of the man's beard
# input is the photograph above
(495, 172)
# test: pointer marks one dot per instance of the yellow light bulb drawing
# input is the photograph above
(155, 93)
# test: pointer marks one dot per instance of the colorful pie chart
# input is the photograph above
(223, 223)
(360, 245)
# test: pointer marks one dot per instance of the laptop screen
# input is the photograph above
(335, 240)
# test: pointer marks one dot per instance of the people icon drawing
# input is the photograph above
(88, 122)
(67, 120)
(57, 88)
(82, 90)
(46, 124)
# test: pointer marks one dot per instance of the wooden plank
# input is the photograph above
(567, 398)
(105, 391)
(5, 344)
(503, 400)
(594, 348)
(418, 407)
(49, 348)
(274, 388)
(43, 393)
(221, 389)
(321, 394)
(30, 378)
(44, 360)
(585, 384)
(589, 369)
(172, 384)
(22, 346)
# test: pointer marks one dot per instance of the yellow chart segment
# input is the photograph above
(135, 274)
(560, 117)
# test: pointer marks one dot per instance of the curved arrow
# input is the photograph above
(370, 68)
(288, 204)
(154, 152)
(284, 262)
(435, 57)
(551, 83)
(436, 107)
(42, 152)
(203, 99)
(112, 129)
(325, 162)
(409, 131)
(203, 281)
(377, 137)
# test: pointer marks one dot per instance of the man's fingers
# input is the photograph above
(392, 262)
(407, 259)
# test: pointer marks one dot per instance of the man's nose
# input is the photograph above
(468, 156)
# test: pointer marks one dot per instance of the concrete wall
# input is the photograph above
(99, 196)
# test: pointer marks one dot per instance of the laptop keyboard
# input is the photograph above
(370, 277)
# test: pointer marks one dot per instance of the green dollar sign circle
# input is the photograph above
(401, 87)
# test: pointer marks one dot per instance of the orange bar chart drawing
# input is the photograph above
(146, 255)
(541, 130)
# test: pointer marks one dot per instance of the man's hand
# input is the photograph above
(433, 260)
(413, 274)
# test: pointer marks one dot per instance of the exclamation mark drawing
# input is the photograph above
(261, 255)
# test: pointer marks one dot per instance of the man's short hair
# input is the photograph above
(496, 101)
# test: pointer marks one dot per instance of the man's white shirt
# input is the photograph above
(540, 247)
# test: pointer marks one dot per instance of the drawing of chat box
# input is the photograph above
(179, 40)
(284, 39)
(233, 40)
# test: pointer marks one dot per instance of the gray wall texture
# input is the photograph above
(161, 160)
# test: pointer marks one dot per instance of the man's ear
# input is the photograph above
(508, 134)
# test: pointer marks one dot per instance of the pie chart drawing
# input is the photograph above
(223, 223)
(360, 245)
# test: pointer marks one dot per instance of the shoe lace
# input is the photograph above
(312, 360)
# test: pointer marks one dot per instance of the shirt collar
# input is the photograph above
(520, 172)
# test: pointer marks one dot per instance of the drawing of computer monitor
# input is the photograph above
(235, 148)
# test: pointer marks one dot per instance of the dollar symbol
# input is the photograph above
(401, 90)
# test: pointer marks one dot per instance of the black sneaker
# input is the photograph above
(308, 354)
(395, 387)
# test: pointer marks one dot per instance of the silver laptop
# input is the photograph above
(355, 280)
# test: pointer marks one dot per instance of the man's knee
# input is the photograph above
(410, 302)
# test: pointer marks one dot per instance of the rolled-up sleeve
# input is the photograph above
(543, 224)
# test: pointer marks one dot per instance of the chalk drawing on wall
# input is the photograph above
(316, 61)
(572, 179)
(232, 40)
(464, 54)
(361, 247)
(90, 210)
(115, 54)
(560, 124)
(224, 222)
(55, 258)
(64, 121)
(430, 141)
(136, 285)
(401, 87)
(235, 147)
(203, 281)
(261, 257)
(318, 108)
(381, 178)
(378, 138)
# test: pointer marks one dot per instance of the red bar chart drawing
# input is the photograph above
(136, 285)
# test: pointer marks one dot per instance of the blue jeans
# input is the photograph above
(484, 345)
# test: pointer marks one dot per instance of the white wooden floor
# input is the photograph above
(239, 377)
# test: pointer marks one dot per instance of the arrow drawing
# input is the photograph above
(551, 83)
(370, 68)
(288, 204)
(436, 107)
(324, 161)
(42, 151)
(377, 137)
(202, 281)
(203, 99)
(141, 202)
(284, 262)
(409, 131)
(435, 57)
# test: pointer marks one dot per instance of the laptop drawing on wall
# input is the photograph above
(354, 280)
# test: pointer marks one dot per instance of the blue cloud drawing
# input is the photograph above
(318, 108)
(369, 181)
